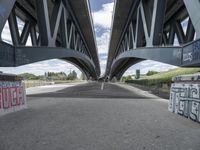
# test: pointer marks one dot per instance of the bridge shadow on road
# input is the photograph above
(86, 117)
(93, 90)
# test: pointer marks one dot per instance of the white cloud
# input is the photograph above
(5, 35)
(148, 65)
(102, 24)
(103, 17)
(40, 68)
(103, 41)
(184, 25)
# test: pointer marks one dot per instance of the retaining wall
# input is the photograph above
(12, 94)
(185, 96)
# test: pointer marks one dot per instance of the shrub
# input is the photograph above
(151, 72)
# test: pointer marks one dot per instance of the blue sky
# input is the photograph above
(96, 5)
(102, 16)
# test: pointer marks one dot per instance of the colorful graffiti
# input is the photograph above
(12, 96)
(185, 100)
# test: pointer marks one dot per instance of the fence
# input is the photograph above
(33, 83)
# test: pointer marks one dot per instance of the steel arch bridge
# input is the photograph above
(60, 29)
(162, 30)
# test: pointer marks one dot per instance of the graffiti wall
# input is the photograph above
(12, 96)
(185, 98)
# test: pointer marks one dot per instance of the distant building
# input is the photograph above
(137, 76)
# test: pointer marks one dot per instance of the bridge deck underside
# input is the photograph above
(60, 29)
(152, 30)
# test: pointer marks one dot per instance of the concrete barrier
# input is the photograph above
(12, 94)
(185, 96)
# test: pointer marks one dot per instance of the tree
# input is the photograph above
(82, 77)
(72, 75)
(125, 78)
(29, 76)
(151, 72)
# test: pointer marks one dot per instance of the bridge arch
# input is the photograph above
(149, 30)
(57, 29)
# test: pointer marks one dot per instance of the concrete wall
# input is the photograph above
(33, 83)
(12, 94)
(162, 90)
(185, 96)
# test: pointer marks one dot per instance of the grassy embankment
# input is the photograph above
(160, 83)
(163, 77)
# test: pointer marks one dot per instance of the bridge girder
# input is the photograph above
(149, 29)
(57, 29)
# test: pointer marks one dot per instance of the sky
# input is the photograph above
(102, 19)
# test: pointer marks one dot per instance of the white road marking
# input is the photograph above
(102, 85)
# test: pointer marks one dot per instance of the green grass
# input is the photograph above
(163, 77)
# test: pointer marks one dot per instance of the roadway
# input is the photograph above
(84, 117)
(49, 88)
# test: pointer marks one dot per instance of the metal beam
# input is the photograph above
(7, 55)
(190, 31)
(179, 32)
(25, 33)
(26, 55)
(11, 56)
(193, 7)
(5, 10)
(186, 55)
(153, 24)
(33, 35)
(12, 21)
(157, 28)
(55, 18)
(171, 35)
(43, 23)
(64, 29)
(162, 54)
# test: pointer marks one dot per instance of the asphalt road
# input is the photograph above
(84, 117)
(49, 88)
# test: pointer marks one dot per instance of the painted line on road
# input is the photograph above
(102, 86)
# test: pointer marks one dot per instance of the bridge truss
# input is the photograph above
(56, 28)
(161, 30)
